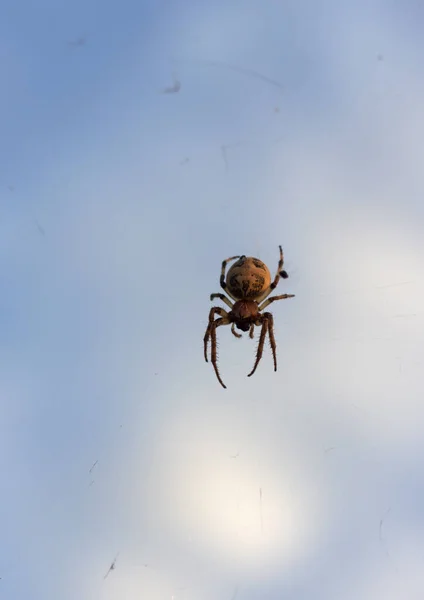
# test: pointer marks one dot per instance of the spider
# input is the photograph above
(248, 283)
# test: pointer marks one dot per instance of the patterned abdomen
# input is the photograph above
(248, 278)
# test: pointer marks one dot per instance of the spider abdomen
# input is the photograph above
(248, 278)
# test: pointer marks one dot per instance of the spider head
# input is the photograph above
(244, 313)
(247, 278)
(243, 325)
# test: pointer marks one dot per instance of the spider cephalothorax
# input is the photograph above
(248, 283)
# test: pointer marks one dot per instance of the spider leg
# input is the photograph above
(223, 298)
(213, 311)
(234, 332)
(280, 273)
(222, 278)
(273, 299)
(261, 344)
(270, 319)
(251, 332)
(214, 325)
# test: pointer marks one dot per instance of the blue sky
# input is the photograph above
(117, 208)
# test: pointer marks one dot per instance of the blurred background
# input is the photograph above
(141, 144)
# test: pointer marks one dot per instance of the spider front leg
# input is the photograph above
(215, 310)
(214, 360)
(271, 337)
(261, 343)
(211, 333)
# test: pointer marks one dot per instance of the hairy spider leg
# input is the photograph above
(222, 278)
(273, 299)
(271, 337)
(234, 332)
(214, 360)
(212, 332)
(274, 284)
(223, 298)
(261, 343)
(215, 310)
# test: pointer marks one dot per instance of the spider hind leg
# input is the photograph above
(222, 281)
(273, 285)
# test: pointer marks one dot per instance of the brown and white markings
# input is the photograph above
(248, 283)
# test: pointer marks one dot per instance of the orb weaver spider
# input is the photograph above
(248, 283)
